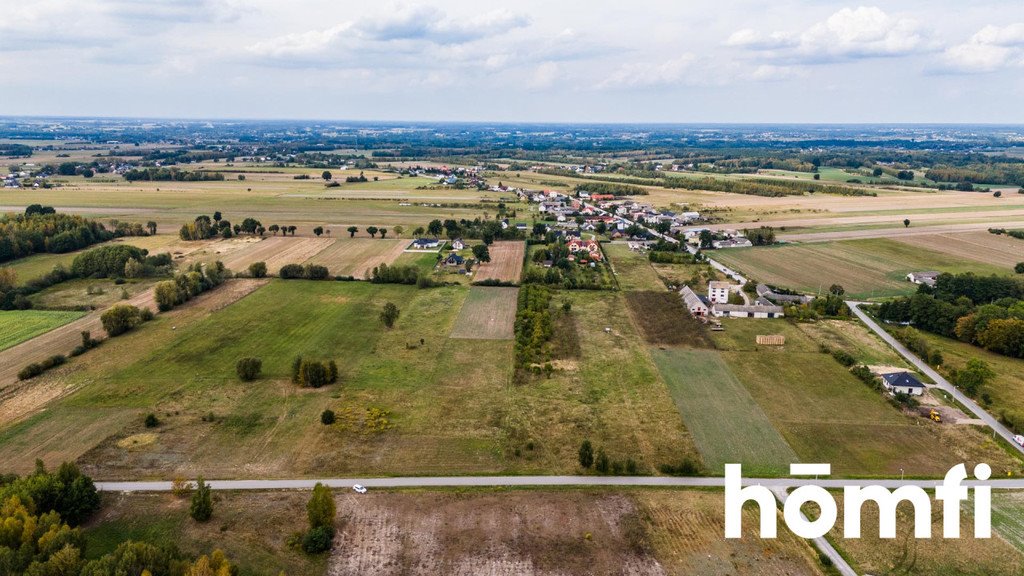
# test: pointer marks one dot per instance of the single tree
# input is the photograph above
(399, 230)
(201, 508)
(326, 175)
(1019, 268)
(352, 231)
(273, 229)
(372, 231)
(383, 233)
(434, 228)
(389, 314)
(258, 269)
(151, 226)
(482, 253)
(292, 229)
(327, 417)
(906, 222)
(586, 454)
(318, 230)
(837, 289)
(320, 509)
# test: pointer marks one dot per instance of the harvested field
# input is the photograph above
(19, 399)
(506, 263)
(17, 326)
(963, 556)
(727, 424)
(276, 252)
(685, 531)
(488, 313)
(357, 256)
(865, 268)
(981, 246)
(513, 533)
(663, 319)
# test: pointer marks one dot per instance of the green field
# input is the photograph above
(21, 325)
(865, 268)
(633, 270)
(827, 415)
(727, 423)
(450, 403)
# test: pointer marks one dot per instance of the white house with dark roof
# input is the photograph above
(903, 383)
(697, 305)
(923, 277)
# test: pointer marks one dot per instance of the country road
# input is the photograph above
(941, 382)
(539, 481)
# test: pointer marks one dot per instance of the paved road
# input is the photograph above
(821, 542)
(534, 481)
(941, 382)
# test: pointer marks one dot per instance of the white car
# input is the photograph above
(1019, 439)
(359, 488)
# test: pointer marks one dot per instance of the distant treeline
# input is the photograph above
(171, 175)
(613, 188)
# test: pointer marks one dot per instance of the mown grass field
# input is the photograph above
(488, 313)
(827, 415)
(633, 270)
(17, 326)
(727, 424)
(865, 268)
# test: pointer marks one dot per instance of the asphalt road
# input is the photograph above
(941, 382)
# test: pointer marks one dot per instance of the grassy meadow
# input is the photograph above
(17, 326)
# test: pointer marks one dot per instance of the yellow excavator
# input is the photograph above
(934, 415)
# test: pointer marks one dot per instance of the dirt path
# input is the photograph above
(19, 398)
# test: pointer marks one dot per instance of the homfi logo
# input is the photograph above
(950, 492)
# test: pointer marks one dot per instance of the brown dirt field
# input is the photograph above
(489, 313)
(506, 263)
(19, 399)
(898, 232)
(662, 318)
(980, 245)
(687, 527)
(357, 256)
(511, 533)
(276, 252)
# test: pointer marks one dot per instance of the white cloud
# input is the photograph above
(773, 73)
(991, 48)
(649, 74)
(302, 43)
(850, 33)
(545, 75)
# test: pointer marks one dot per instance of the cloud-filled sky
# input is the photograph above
(528, 60)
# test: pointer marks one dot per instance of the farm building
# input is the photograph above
(425, 243)
(697, 305)
(764, 291)
(903, 383)
(923, 277)
(744, 311)
(718, 292)
(739, 242)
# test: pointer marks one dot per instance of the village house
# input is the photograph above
(903, 383)
(458, 244)
(453, 260)
(425, 243)
(738, 242)
(927, 278)
(589, 248)
(718, 292)
(697, 305)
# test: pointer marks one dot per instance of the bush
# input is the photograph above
(37, 368)
(389, 314)
(586, 454)
(844, 357)
(201, 507)
(318, 540)
(327, 417)
(688, 467)
(316, 272)
(248, 369)
(312, 373)
(290, 271)
(120, 319)
(151, 421)
(258, 269)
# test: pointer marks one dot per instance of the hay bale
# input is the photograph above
(771, 340)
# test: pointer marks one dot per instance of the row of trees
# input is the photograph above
(171, 175)
(533, 325)
(205, 227)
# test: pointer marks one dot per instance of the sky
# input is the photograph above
(528, 60)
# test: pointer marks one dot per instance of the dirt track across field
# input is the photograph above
(506, 263)
(18, 398)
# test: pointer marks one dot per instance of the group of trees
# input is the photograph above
(320, 511)
(613, 188)
(398, 274)
(205, 227)
(763, 236)
(189, 284)
(533, 325)
(602, 464)
(39, 534)
(40, 230)
(486, 230)
(314, 373)
(122, 318)
(307, 272)
(171, 175)
(118, 261)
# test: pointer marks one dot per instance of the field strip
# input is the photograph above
(899, 230)
(356, 256)
(276, 252)
(488, 313)
(506, 263)
(727, 424)
(17, 400)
